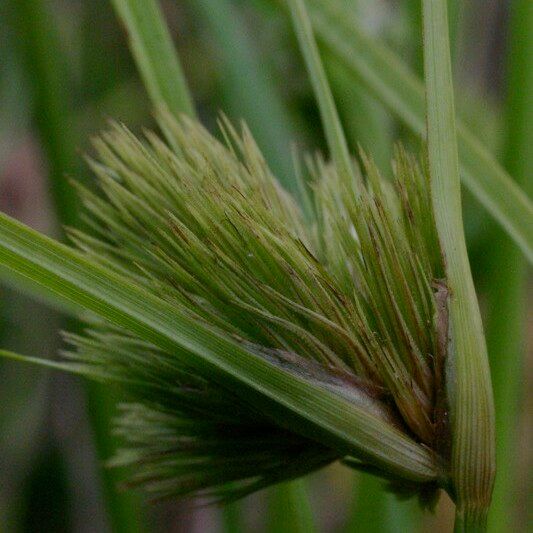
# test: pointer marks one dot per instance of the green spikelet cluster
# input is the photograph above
(349, 296)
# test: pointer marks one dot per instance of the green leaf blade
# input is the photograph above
(154, 53)
(311, 410)
(330, 118)
(508, 273)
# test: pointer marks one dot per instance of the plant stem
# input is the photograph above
(45, 72)
(506, 281)
(154, 53)
(467, 374)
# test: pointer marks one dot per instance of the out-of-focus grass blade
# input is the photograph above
(331, 123)
(366, 122)
(47, 77)
(375, 510)
(154, 53)
(308, 408)
(289, 509)
(46, 71)
(249, 90)
(387, 78)
(14, 117)
(506, 280)
(414, 11)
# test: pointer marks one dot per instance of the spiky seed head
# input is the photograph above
(351, 297)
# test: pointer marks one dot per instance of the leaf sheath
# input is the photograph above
(468, 374)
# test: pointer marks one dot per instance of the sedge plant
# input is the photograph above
(258, 340)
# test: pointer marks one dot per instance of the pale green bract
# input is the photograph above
(351, 299)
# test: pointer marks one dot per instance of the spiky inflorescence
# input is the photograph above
(349, 295)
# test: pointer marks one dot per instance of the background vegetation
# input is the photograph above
(66, 68)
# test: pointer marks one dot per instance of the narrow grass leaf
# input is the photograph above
(46, 72)
(254, 96)
(507, 273)
(307, 408)
(154, 53)
(330, 118)
(46, 68)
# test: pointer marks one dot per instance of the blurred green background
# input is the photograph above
(65, 69)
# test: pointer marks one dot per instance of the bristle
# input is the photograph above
(206, 226)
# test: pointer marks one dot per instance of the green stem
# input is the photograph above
(152, 48)
(471, 520)
(468, 375)
(45, 70)
(507, 271)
